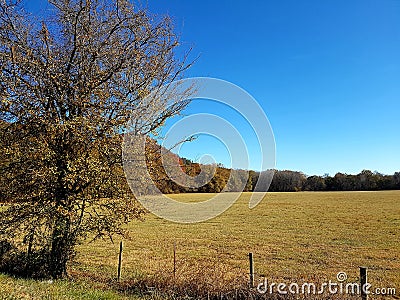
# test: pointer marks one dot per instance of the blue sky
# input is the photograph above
(326, 73)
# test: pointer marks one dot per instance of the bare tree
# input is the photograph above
(68, 85)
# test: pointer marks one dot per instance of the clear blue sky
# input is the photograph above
(327, 74)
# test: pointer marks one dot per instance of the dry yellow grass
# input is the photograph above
(294, 237)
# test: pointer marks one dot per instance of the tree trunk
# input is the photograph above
(61, 247)
(61, 244)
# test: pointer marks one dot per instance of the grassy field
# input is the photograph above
(11, 288)
(305, 236)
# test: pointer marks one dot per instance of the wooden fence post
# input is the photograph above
(174, 259)
(251, 273)
(363, 282)
(119, 262)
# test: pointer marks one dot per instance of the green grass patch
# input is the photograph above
(14, 288)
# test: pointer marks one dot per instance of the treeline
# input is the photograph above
(215, 179)
(290, 181)
(173, 174)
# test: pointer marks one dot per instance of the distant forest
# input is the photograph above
(290, 181)
(200, 178)
(283, 181)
